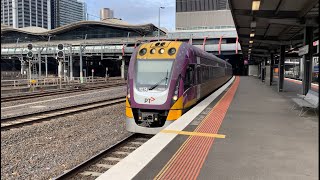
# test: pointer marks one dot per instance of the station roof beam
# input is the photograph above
(273, 23)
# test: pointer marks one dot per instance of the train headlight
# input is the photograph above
(142, 51)
(172, 51)
(152, 51)
(128, 96)
(175, 97)
(161, 51)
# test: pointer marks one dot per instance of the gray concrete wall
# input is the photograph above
(253, 70)
(204, 18)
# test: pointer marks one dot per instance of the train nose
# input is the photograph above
(149, 117)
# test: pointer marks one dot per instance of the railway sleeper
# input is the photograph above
(121, 153)
(106, 166)
(112, 159)
(90, 173)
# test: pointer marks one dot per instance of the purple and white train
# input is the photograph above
(165, 79)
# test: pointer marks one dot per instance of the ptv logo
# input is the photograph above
(149, 100)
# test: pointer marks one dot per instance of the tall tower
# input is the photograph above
(106, 13)
(67, 11)
(25, 13)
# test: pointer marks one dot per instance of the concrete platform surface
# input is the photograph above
(264, 140)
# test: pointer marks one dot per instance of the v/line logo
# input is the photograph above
(149, 100)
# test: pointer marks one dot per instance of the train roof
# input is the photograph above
(204, 54)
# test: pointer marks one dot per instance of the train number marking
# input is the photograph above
(149, 100)
(145, 89)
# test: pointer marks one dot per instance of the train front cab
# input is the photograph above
(151, 118)
(195, 82)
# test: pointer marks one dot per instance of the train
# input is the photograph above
(167, 78)
(293, 68)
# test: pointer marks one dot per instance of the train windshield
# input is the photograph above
(153, 74)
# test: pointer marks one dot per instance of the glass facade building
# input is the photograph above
(25, 13)
(67, 11)
(201, 5)
(203, 14)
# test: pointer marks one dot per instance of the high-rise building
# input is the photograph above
(203, 14)
(106, 13)
(25, 13)
(67, 11)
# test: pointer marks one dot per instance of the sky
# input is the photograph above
(136, 11)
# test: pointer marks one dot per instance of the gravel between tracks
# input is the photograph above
(65, 101)
(13, 103)
(45, 150)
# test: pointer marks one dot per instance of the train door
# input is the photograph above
(198, 75)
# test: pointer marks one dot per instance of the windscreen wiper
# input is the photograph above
(157, 84)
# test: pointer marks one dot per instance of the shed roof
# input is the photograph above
(115, 23)
(278, 22)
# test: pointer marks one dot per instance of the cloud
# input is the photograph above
(137, 12)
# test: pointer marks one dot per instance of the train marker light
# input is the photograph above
(142, 51)
(255, 5)
(175, 98)
(128, 96)
(251, 34)
(250, 42)
(161, 51)
(172, 51)
(152, 51)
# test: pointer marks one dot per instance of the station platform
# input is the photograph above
(244, 130)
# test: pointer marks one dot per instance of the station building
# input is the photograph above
(207, 19)
(101, 43)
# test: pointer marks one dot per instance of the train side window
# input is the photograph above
(189, 81)
(203, 72)
(198, 75)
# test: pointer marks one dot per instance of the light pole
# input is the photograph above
(159, 24)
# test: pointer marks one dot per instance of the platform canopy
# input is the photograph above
(264, 25)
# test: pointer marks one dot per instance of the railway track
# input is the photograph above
(18, 121)
(65, 91)
(104, 160)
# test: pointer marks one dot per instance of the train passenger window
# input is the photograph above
(189, 80)
(198, 75)
(203, 73)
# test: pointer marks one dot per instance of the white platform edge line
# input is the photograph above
(130, 166)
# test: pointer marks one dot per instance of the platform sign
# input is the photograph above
(304, 50)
